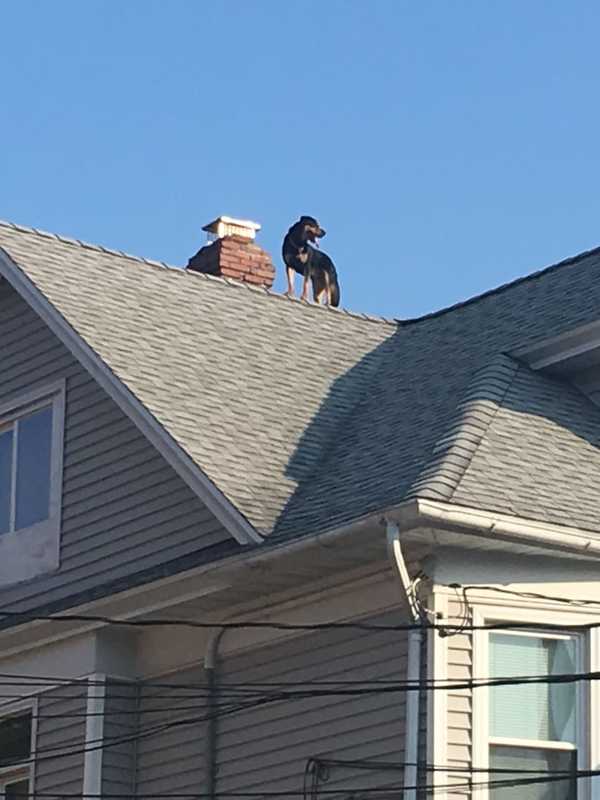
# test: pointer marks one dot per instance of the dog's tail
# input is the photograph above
(335, 290)
(334, 286)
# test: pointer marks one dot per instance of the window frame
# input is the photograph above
(480, 697)
(33, 550)
(24, 770)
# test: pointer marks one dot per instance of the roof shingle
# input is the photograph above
(307, 417)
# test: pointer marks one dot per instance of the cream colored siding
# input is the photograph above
(125, 509)
(460, 703)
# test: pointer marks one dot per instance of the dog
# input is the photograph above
(301, 254)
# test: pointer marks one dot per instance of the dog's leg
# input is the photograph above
(290, 280)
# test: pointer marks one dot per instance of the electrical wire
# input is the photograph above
(290, 626)
(112, 741)
(377, 791)
(577, 602)
(276, 697)
(280, 695)
(282, 691)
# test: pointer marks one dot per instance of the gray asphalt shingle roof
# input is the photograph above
(540, 456)
(232, 373)
(307, 417)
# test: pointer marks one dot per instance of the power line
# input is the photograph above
(280, 691)
(276, 697)
(527, 595)
(289, 626)
(378, 791)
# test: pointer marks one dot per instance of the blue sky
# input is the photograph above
(447, 146)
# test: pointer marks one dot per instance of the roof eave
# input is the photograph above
(473, 525)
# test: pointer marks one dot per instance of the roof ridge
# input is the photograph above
(502, 287)
(343, 312)
(453, 452)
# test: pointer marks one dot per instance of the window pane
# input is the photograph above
(16, 791)
(6, 445)
(34, 442)
(15, 739)
(537, 711)
(530, 759)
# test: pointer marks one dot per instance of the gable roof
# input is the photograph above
(232, 374)
(302, 418)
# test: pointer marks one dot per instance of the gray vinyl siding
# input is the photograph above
(60, 741)
(125, 509)
(460, 703)
(120, 730)
(171, 761)
(267, 748)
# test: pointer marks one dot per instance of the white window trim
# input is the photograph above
(29, 552)
(26, 770)
(588, 750)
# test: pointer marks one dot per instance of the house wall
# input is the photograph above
(456, 735)
(459, 703)
(60, 741)
(125, 510)
(266, 748)
(172, 760)
(120, 732)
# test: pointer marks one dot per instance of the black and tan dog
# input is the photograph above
(300, 254)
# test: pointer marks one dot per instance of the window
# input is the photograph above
(25, 469)
(31, 444)
(533, 727)
(15, 756)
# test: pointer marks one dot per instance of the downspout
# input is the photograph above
(416, 643)
(211, 671)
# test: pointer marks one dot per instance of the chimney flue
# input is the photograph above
(232, 253)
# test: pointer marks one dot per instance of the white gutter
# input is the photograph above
(413, 670)
(421, 520)
(502, 527)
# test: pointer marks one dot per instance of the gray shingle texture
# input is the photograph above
(307, 418)
(234, 374)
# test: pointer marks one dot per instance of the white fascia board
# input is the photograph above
(489, 525)
(186, 468)
(558, 349)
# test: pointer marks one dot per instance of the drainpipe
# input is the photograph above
(415, 659)
(211, 671)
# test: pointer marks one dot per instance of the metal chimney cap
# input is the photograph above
(230, 226)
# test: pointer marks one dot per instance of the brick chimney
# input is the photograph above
(232, 253)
